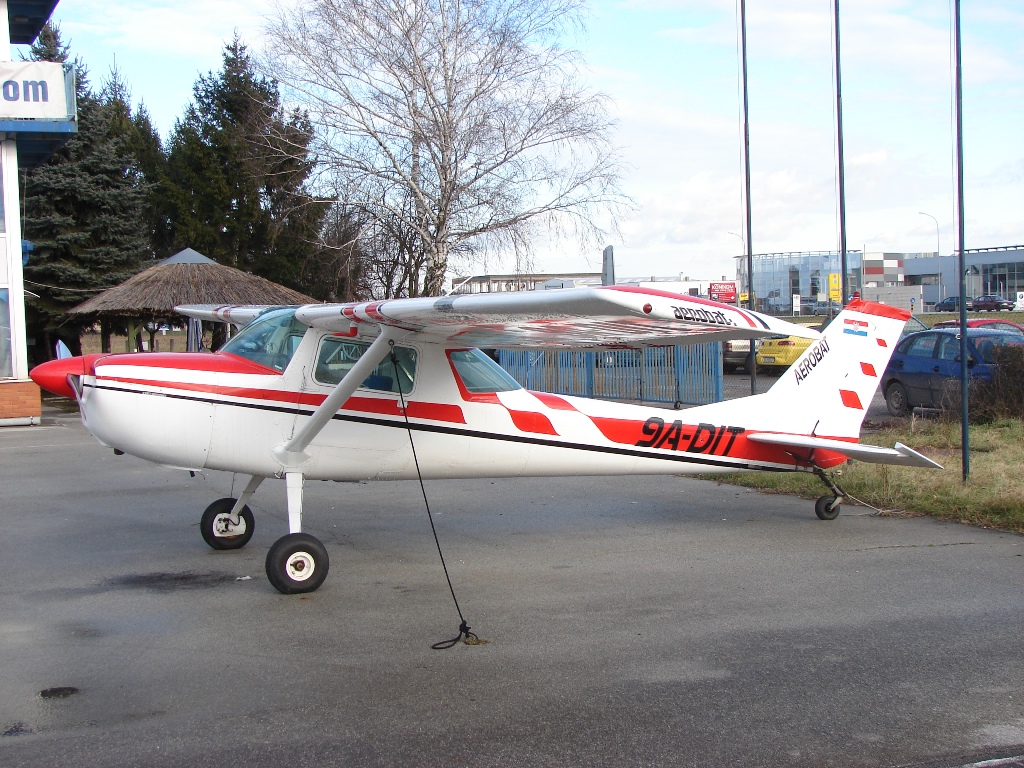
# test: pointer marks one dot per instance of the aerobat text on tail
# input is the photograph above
(339, 391)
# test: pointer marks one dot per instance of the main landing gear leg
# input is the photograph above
(298, 562)
(228, 523)
(827, 507)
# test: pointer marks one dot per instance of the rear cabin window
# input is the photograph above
(987, 345)
(270, 340)
(919, 346)
(479, 373)
(337, 356)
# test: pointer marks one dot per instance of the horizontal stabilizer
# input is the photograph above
(901, 455)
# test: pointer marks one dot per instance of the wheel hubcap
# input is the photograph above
(225, 529)
(300, 566)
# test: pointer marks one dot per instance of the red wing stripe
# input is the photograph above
(678, 296)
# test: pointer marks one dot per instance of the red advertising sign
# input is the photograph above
(723, 292)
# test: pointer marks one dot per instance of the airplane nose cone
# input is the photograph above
(53, 376)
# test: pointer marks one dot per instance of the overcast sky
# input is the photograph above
(670, 68)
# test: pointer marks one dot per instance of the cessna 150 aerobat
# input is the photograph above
(388, 389)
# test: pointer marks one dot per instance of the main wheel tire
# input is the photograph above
(297, 563)
(215, 521)
(822, 508)
(896, 400)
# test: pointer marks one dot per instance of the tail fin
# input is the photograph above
(834, 381)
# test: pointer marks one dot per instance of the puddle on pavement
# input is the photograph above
(60, 692)
(166, 582)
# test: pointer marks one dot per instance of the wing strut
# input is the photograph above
(293, 453)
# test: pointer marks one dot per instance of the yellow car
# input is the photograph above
(776, 355)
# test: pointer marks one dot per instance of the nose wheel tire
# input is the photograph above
(218, 530)
(824, 508)
(297, 563)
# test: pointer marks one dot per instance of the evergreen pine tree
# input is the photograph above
(237, 172)
(84, 208)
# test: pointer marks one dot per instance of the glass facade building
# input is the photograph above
(780, 276)
(998, 271)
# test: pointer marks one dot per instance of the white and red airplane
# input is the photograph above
(394, 389)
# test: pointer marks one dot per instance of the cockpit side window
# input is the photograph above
(337, 356)
(270, 340)
(479, 374)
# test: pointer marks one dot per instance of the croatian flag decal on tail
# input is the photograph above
(855, 327)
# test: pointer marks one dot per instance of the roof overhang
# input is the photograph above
(26, 19)
(38, 139)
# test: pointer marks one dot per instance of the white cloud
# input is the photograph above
(162, 28)
(670, 67)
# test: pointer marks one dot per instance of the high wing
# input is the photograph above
(576, 318)
(238, 314)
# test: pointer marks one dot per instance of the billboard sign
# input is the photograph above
(36, 90)
(835, 287)
(723, 292)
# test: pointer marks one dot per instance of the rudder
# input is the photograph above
(834, 381)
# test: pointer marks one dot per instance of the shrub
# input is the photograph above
(1003, 396)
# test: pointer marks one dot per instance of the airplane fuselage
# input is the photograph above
(202, 411)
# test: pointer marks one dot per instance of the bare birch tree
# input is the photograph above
(460, 122)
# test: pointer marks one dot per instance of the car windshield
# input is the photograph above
(269, 340)
(913, 325)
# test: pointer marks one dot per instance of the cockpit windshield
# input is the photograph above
(269, 340)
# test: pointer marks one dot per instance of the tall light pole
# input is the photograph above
(844, 287)
(965, 450)
(751, 304)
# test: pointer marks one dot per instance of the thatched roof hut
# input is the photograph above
(187, 277)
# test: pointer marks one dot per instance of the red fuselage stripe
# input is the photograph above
(385, 406)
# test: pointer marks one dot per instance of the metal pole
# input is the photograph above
(746, 185)
(844, 287)
(964, 432)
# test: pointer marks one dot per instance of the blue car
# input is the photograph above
(926, 365)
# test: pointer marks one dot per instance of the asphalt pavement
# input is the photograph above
(630, 622)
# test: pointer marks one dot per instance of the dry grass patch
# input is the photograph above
(993, 495)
